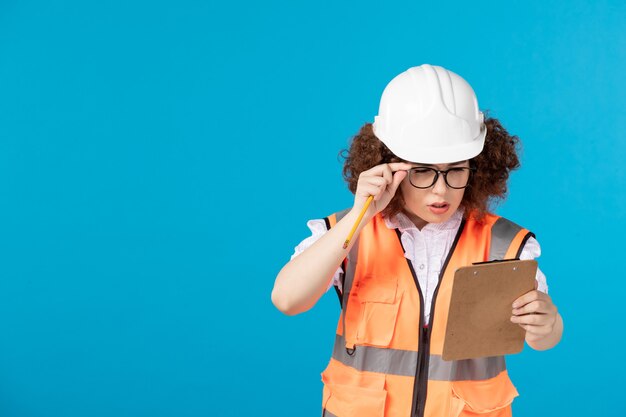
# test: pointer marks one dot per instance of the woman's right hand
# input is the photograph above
(305, 278)
(382, 182)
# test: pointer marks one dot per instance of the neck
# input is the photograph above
(417, 221)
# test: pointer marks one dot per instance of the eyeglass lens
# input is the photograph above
(426, 177)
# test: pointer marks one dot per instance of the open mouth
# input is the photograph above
(439, 208)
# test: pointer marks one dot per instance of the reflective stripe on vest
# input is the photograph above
(380, 311)
(403, 362)
(503, 234)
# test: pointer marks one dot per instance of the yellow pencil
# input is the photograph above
(358, 220)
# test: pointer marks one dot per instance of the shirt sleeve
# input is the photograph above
(318, 228)
(532, 250)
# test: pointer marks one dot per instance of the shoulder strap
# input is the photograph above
(507, 239)
(335, 217)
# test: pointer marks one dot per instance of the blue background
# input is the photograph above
(159, 160)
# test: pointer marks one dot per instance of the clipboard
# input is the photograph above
(479, 322)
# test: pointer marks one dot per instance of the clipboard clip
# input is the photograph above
(495, 261)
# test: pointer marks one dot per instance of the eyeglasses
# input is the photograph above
(424, 177)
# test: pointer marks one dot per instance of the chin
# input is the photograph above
(437, 218)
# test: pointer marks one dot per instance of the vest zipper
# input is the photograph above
(420, 385)
(422, 372)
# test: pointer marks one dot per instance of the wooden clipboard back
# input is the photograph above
(479, 322)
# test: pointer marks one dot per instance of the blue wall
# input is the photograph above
(159, 160)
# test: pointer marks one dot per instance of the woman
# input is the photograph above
(433, 164)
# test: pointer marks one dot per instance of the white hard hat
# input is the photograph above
(430, 115)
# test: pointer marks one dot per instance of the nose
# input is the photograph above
(440, 186)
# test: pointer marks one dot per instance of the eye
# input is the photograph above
(421, 170)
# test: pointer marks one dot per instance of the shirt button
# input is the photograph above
(422, 266)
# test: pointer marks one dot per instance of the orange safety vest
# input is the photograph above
(385, 363)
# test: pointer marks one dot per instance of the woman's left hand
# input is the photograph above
(535, 313)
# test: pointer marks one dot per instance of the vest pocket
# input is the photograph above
(490, 397)
(354, 401)
(350, 393)
(379, 299)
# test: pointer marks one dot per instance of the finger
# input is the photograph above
(377, 191)
(387, 174)
(394, 166)
(366, 190)
(397, 179)
(532, 307)
(541, 306)
(536, 330)
(378, 181)
(398, 166)
(534, 319)
(381, 171)
(526, 298)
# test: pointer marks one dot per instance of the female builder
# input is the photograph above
(433, 164)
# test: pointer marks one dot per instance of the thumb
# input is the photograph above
(536, 284)
(398, 176)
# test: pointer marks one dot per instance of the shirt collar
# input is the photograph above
(401, 221)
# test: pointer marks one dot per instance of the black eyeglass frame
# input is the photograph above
(445, 176)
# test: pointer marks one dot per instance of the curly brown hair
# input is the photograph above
(487, 186)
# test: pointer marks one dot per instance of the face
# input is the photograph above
(437, 203)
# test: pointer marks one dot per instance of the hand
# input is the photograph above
(535, 313)
(381, 181)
